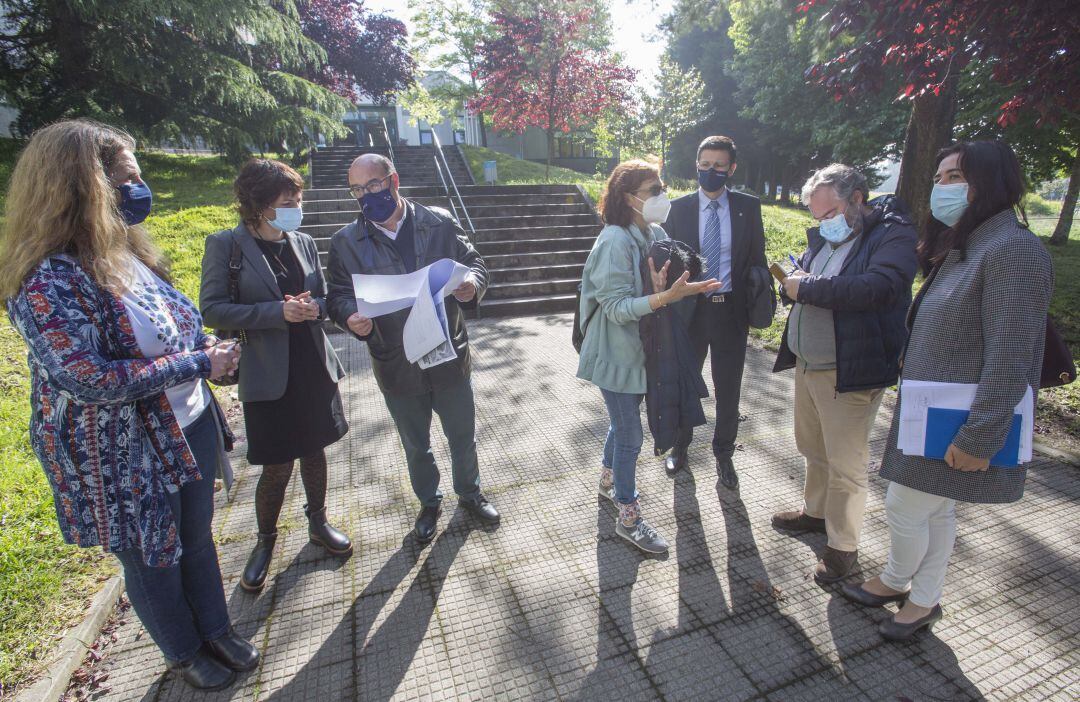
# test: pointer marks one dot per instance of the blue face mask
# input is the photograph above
(835, 230)
(287, 219)
(135, 202)
(711, 180)
(949, 202)
(378, 207)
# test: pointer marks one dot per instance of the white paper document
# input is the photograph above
(918, 396)
(426, 336)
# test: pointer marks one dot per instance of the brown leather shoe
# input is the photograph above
(798, 522)
(836, 565)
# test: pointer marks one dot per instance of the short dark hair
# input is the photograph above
(262, 181)
(626, 178)
(717, 143)
(996, 180)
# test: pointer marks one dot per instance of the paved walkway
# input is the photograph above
(553, 605)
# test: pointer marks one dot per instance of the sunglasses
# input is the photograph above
(654, 190)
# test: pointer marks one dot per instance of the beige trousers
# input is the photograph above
(832, 432)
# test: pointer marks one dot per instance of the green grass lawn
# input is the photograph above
(45, 585)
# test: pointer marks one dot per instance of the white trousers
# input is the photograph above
(922, 529)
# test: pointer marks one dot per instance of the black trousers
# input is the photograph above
(720, 327)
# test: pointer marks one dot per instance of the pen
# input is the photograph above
(794, 262)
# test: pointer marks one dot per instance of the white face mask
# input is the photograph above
(287, 219)
(655, 210)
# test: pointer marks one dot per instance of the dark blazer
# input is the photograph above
(747, 242)
(361, 248)
(264, 363)
(869, 298)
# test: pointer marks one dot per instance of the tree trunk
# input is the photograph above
(551, 151)
(1061, 232)
(663, 152)
(483, 131)
(773, 184)
(929, 129)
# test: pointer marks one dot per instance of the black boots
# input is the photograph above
(236, 652)
(258, 563)
(203, 671)
(322, 534)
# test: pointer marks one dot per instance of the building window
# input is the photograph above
(459, 136)
(575, 146)
(426, 137)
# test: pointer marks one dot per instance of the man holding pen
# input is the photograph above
(851, 290)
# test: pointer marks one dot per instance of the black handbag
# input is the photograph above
(236, 262)
(1057, 367)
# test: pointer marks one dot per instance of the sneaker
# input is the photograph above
(642, 535)
(605, 490)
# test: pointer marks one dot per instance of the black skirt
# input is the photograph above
(309, 416)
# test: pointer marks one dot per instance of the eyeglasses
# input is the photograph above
(654, 190)
(708, 165)
(376, 185)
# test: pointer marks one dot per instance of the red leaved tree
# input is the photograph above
(363, 50)
(921, 48)
(539, 70)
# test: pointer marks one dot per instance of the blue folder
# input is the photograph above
(942, 426)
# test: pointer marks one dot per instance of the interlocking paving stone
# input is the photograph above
(551, 604)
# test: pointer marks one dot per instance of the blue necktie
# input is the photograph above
(713, 245)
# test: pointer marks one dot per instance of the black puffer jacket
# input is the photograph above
(869, 298)
(675, 387)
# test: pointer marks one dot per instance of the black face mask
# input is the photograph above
(711, 180)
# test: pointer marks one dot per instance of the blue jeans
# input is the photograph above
(457, 413)
(623, 442)
(184, 605)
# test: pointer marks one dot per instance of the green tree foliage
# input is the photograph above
(678, 102)
(752, 54)
(801, 124)
(446, 36)
(228, 72)
(434, 100)
(698, 37)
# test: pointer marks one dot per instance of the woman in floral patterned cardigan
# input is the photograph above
(126, 429)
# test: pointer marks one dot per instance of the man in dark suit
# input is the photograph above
(725, 227)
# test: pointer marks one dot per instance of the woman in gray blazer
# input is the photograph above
(289, 370)
(980, 318)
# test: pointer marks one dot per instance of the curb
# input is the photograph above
(1060, 454)
(72, 649)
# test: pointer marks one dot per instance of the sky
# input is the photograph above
(635, 29)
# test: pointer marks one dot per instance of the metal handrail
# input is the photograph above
(445, 164)
(439, 170)
(386, 133)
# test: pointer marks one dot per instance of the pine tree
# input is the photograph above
(229, 72)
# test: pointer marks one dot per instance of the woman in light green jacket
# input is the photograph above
(612, 302)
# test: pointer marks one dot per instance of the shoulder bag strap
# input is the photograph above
(236, 262)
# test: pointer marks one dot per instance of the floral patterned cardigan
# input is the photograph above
(100, 422)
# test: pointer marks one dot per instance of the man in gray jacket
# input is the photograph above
(394, 236)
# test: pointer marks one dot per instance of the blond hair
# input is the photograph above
(60, 200)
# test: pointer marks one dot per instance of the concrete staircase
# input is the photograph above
(415, 164)
(534, 238)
